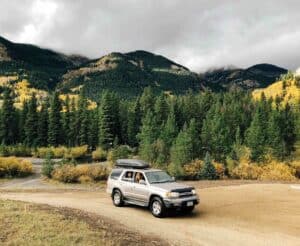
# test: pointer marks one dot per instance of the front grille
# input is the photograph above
(185, 192)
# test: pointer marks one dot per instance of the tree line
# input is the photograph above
(161, 128)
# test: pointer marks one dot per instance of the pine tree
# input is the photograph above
(288, 130)
(83, 120)
(215, 133)
(147, 136)
(93, 128)
(195, 138)
(55, 125)
(8, 125)
(147, 101)
(31, 123)
(169, 130)
(74, 127)
(256, 135)
(161, 109)
(107, 121)
(208, 170)
(67, 122)
(275, 140)
(42, 130)
(134, 123)
(21, 125)
(182, 149)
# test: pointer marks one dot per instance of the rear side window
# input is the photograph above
(115, 174)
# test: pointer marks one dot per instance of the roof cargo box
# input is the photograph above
(132, 163)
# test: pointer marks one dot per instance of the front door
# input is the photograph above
(140, 187)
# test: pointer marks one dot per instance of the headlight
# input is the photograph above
(172, 194)
(194, 191)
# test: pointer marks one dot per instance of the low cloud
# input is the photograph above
(198, 34)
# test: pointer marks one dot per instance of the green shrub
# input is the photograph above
(15, 150)
(48, 167)
(122, 151)
(176, 170)
(13, 167)
(208, 170)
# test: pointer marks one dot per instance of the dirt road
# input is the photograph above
(254, 214)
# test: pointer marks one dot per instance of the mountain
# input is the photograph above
(42, 67)
(257, 76)
(125, 73)
(129, 73)
(286, 90)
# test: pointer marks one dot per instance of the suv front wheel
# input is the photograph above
(157, 207)
(117, 198)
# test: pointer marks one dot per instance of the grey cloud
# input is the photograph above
(197, 34)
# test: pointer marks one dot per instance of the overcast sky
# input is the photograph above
(198, 34)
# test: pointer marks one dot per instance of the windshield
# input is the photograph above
(158, 177)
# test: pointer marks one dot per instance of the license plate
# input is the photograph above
(189, 204)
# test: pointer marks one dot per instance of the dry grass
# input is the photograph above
(29, 224)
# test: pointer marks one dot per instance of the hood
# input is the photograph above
(172, 186)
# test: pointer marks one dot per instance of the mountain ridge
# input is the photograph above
(126, 73)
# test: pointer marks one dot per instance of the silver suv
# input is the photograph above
(134, 182)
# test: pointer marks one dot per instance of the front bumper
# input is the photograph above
(181, 202)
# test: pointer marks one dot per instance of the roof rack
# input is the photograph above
(132, 163)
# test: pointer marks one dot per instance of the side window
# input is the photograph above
(115, 174)
(138, 177)
(128, 176)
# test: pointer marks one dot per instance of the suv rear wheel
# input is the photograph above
(157, 207)
(117, 198)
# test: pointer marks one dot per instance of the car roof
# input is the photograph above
(131, 163)
(138, 170)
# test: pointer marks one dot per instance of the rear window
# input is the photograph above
(115, 174)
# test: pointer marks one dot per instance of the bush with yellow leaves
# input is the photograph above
(62, 152)
(277, 171)
(59, 152)
(66, 173)
(192, 170)
(247, 170)
(99, 155)
(82, 173)
(76, 152)
(296, 165)
(13, 167)
(220, 170)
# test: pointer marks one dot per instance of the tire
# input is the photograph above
(117, 198)
(157, 207)
(188, 210)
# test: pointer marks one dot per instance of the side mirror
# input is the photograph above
(143, 182)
